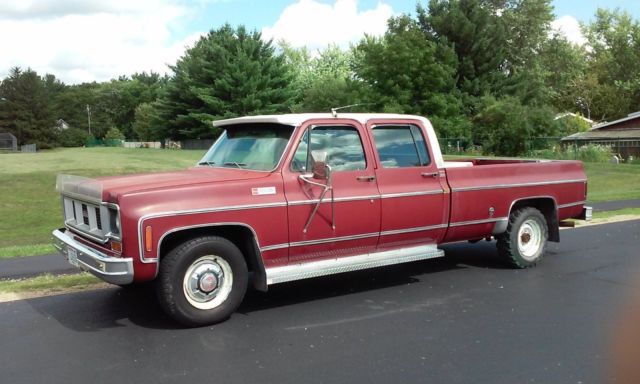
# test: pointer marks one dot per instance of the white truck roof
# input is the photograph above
(296, 119)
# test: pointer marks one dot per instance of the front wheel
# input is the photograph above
(202, 281)
(523, 243)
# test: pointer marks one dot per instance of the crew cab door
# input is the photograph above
(413, 191)
(349, 226)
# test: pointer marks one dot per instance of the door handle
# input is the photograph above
(429, 174)
(365, 178)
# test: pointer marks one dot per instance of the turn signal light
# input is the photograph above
(148, 238)
(116, 246)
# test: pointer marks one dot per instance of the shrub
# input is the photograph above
(114, 134)
(594, 153)
(590, 153)
(73, 137)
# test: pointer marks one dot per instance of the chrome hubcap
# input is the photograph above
(530, 239)
(207, 282)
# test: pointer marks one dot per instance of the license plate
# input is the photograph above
(72, 256)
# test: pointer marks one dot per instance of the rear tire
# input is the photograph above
(202, 281)
(523, 243)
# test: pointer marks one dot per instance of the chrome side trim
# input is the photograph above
(274, 247)
(571, 204)
(192, 212)
(259, 261)
(187, 227)
(513, 203)
(474, 222)
(372, 197)
(318, 268)
(337, 199)
(334, 239)
(533, 184)
(409, 194)
(414, 229)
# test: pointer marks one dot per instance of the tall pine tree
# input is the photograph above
(25, 107)
(229, 72)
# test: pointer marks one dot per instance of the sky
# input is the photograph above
(97, 40)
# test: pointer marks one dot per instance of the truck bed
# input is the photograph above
(484, 191)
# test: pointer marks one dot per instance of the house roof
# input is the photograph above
(626, 134)
(631, 116)
(566, 114)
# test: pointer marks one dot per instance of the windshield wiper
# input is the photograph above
(209, 163)
(239, 165)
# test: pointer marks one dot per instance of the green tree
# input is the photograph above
(25, 108)
(476, 34)
(229, 72)
(71, 106)
(144, 121)
(408, 73)
(506, 127)
(569, 124)
(565, 65)
(497, 44)
(614, 42)
(324, 81)
(119, 98)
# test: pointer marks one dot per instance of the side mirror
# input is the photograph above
(321, 170)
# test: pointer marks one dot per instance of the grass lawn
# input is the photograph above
(608, 182)
(30, 207)
(49, 282)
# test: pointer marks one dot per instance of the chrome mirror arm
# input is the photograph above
(328, 187)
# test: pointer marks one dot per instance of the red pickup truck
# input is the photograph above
(288, 197)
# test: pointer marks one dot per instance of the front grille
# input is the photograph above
(85, 214)
(98, 218)
(86, 218)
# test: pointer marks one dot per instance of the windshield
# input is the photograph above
(257, 146)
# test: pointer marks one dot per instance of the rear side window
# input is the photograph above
(342, 144)
(401, 146)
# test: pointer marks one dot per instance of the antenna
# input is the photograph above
(334, 111)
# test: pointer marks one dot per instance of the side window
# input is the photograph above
(401, 146)
(342, 144)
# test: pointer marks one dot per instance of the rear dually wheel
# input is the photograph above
(523, 243)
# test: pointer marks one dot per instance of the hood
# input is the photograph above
(112, 187)
(116, 186)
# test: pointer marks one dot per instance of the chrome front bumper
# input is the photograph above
(114, 270)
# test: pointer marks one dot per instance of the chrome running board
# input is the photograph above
(311, 269)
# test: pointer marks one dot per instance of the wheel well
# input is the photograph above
(241, 236)
(547, 206)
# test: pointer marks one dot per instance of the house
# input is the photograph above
(622, 135)
(61, 125)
